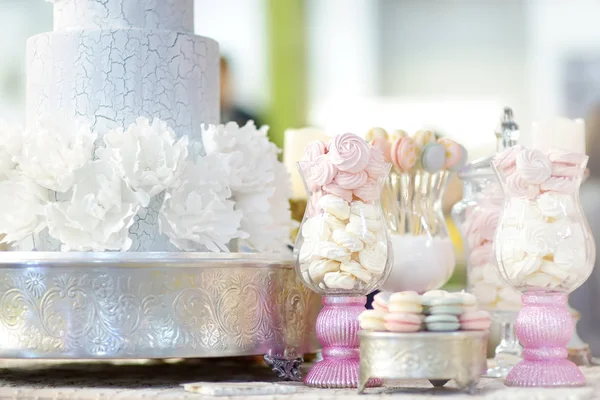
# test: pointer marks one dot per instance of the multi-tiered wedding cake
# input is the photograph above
(115, 154)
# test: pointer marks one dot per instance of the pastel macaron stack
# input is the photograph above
(435, 311)
(404, 312)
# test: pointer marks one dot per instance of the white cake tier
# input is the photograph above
(114, 76)
(174, 15)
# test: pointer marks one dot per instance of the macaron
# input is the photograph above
(452, 304)
(405, 302)
(428, 297)
(372, 320)
(433, 157)
(403, 322)
(475, 321)
(442, 323)
(381, 301)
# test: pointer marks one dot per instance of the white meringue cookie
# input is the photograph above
(509, 295)
(570, 253)
(475, 274)
(354, 268)
(361, 232)
(318, 269)
(330, 251)
(336, 206)
(519, 270)
(485, 293)
(555, 205)
(511, 245)
(365, 210)
(490, 275)
(316, 228)
(339, 280)
(543, 280)
(520, 210)
(551, 268)
(373, 259)
(374, 225)
(347, 240)
(306, 251)
(333, 222)
(539, 239)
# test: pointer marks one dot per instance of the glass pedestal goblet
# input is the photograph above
(543, 248)
(343, 253)
(476, 217)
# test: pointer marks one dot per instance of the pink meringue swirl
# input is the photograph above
(318, 173)
(471, 230)
(368, 192)
(507, 159)
(349, 152)
(486, 221)
(335, 189)
(533, 166)
(560, 184)
(481, 255)
(565, 170)
(349, 180)
(517, 186)
(565, 157)
(313, 150)
(377, 166)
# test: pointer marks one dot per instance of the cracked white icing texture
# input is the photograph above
(172, 15)
(114, 76)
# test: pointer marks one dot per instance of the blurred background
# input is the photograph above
(348, 65)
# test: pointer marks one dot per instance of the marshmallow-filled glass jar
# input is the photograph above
(543, 248)
(342, 250)
(476, 217)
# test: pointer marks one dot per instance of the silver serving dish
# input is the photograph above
(155, 305)
(438, 357)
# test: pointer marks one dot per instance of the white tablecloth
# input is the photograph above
(152, 380)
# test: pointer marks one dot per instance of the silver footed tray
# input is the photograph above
(436, 356)
(155, 305)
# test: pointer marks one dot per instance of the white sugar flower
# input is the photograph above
(98, 214)
(267, 216)
(54, 149)
(148, 155)
(22, 204)
(197, 211)
(249, 154)
(11, 137)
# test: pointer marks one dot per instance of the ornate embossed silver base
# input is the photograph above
(437, 357)
(154, 305)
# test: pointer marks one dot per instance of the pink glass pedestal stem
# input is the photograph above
(337, 331)
(544, 327)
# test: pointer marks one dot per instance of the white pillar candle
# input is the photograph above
(295, 140)
(559, 133)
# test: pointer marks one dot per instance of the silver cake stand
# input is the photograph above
(155, 305)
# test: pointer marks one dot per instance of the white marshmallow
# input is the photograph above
(555, 205)
(333, 222)
(523, 268)
(373, 259)
(306, 251)
(365, 210)
(543, 280)
(316, 228)
(318, 269)
(361, 232)
(354, 268)
(374, 225)
(347, 240)
(485, 293)
(330, 251)
(336, 206)
(339, 280)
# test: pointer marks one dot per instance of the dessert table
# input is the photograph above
(132, 380)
